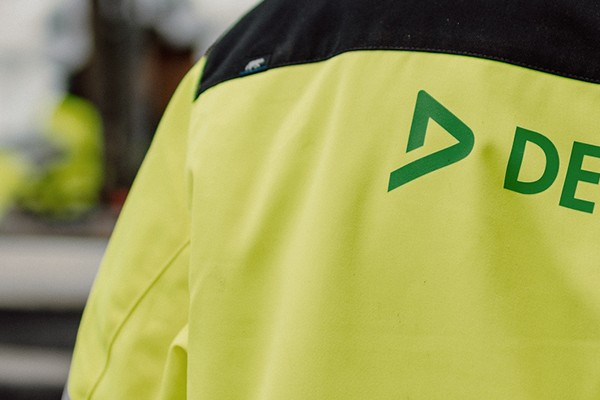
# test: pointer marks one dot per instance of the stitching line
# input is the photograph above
(458, 52)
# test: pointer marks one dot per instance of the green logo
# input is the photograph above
(429, 108)
(577, 170)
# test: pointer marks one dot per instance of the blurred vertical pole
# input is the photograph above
(118, 45)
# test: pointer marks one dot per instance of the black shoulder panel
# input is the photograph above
(556, 36)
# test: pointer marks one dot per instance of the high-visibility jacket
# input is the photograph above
(365, 200)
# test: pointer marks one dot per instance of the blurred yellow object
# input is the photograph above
(13, 175)
(70, 184)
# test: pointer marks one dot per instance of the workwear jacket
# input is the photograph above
(365, 200)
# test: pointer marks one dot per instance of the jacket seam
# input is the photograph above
(416, 49)
(136, 303)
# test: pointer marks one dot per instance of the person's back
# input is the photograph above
(365, 201)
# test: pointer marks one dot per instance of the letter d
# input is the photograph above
(511, 180)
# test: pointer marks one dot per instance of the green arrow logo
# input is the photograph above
(429, 108)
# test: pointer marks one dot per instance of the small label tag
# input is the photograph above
(255, 65)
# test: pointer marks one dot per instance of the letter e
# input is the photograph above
(576, 174)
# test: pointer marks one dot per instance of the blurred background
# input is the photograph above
(83, 84)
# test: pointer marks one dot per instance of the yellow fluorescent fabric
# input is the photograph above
(308, 279)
